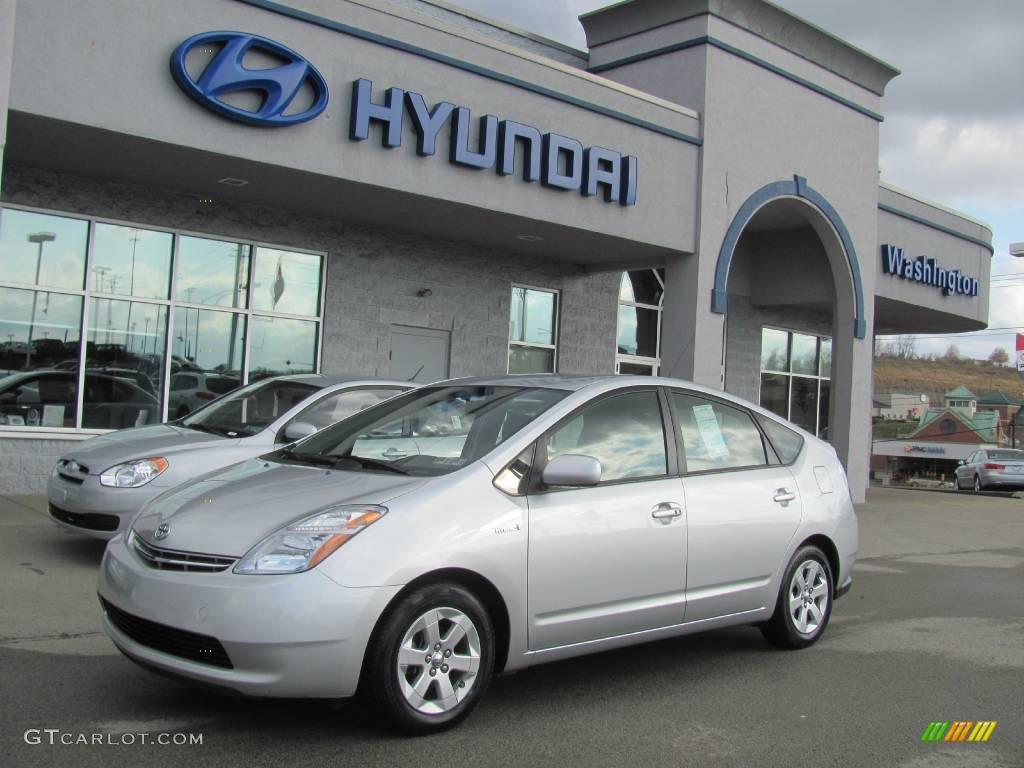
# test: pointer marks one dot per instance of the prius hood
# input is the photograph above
(229, 511)
(98, 453)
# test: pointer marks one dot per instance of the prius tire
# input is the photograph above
(804, 604)
(430, 660)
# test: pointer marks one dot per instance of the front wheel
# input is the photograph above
(431, 659)
(978, 487)
(805, 601)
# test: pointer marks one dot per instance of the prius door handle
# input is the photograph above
(667, 511)
(783, 496)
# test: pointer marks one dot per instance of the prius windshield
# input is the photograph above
(427, 432)
(250, 409)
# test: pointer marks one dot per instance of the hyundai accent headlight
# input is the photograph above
(303, 544)
(133, 474)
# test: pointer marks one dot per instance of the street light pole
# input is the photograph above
(39, 238)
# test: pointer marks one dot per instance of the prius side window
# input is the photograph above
(717, 436)
(624, 432)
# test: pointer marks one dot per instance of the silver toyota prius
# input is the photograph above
(474, 526)
(97, 487)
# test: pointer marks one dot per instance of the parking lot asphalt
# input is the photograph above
(933, 630)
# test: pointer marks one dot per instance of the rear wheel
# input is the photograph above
(431, 659)
(805, 601)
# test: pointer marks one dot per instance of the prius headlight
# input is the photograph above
(304, 543)
(133, 474)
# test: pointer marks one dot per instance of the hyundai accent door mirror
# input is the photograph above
(962, 462)
(298, 430)
(572, 470)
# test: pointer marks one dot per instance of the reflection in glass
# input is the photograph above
(532, 316)
(286, 282)
(803, 403)
(47, 349)
(130, 261)
(716, 436)
(825, 364)
(638, 331)
(775, 393)
(823, 407)
(805, 354)
(212, 272)
(125, 345)
(207, 347)
(39, 249)
(207, 340)
(641, 286)
(625, 433)
(531, 360)
(38, 329)
(250, 409)
(279, 346)
(774, 350)
(636, 369)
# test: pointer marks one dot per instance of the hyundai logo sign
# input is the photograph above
(225, 74)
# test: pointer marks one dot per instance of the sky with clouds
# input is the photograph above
(954, 120)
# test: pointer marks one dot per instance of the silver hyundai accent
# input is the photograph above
(476, 526)
(98, 486)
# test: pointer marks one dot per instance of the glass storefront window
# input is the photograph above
(804, 354)
(82, 268)
(40, 249)
(638, 338)
(531, 360)
(533, 316)
(642, 286)
(38, 358)
(130, 261)
(795, 371)
(125, 341)
(638, 331)
(533, 319)
(212, 272)
(280, 346)
(207, 349)
(774, 350)
(775, 393)
(286, 282)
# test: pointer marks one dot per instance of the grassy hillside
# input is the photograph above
(935, 377)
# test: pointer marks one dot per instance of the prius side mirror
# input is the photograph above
(572, 470)
(298, 430)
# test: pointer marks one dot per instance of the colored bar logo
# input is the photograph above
(959, 730)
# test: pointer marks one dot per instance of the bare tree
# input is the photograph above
(952, 353)
(906, 347)
(999, 356)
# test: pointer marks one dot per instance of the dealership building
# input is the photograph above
(198, 193)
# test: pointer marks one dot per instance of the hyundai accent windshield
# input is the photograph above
(248, 410)
(427, 432)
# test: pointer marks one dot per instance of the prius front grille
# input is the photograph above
(173, 560)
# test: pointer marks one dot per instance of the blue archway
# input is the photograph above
(798, 188)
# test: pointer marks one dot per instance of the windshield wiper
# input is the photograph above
(370, 463)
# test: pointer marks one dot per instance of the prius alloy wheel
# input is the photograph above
(431, 659)
(805, 601)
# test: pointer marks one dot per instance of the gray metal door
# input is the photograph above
(419, 354)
